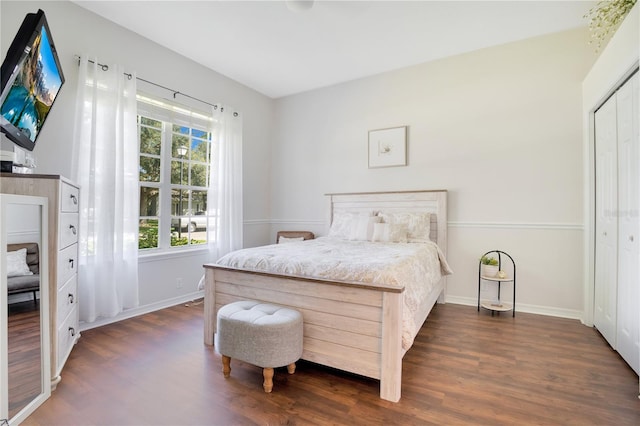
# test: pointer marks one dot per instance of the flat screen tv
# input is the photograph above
(31, 78)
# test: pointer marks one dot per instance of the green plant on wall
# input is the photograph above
(605, 18)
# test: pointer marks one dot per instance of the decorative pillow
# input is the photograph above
(362, 227)
(418, 224)
(17, 263)
(282, 239)
(341, 225)
(389, 233)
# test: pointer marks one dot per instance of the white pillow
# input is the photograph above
(341, 225)
(362, 227)
(389, 233)
(17, 263)
(282, 239)
(418, 224)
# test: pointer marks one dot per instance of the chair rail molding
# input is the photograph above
(518, 225)
(452, 224)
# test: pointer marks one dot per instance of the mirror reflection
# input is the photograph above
(24, 335)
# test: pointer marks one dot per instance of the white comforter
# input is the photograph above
(416, 266)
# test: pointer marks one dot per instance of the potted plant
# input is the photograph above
(489, 266)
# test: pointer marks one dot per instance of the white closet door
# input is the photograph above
(628, 337)
(605, 297)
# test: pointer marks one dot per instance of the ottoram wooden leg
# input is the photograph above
(291, 368)
(226, 366)
(268, 379)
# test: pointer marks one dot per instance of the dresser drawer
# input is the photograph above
(67, 298)
(67, 264)
(68, 229)
(68, 333)
(68, 198)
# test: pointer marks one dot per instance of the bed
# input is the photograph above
(354, 324)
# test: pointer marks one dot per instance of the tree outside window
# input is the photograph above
(174, 179)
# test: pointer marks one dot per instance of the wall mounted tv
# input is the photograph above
(31, 79)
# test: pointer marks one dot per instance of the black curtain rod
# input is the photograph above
(175, 92)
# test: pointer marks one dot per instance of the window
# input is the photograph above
(175, 158)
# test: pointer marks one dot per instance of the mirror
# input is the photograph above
(24, 306)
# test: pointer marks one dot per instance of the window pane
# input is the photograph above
(148, 233)
(179, 238)
(180, 129)
(149, 122)
(149, 201)
(199, 150)
(179, 173)
(149, 169)
(196, 239)
(179, 202)
(199, 204)
(180, 228)
(179, 146)
(150, 140)
(198, 175)
(199, 133)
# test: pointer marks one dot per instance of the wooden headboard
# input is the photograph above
(434, 202)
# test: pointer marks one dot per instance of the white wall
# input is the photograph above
(499, 128)
(77, 31)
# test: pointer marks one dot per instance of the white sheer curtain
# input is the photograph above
(105, 164)
(224, 198)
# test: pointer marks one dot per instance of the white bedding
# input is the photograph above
(416, 266)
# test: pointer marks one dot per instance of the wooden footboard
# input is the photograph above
(350, 326)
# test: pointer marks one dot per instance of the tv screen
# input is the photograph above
(31, 79)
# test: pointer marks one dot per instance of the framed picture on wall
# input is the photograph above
(388, 147)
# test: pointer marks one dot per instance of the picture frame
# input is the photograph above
(388, 147)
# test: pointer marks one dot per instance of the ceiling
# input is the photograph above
(278, 50)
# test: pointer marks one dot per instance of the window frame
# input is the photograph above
(166, 211)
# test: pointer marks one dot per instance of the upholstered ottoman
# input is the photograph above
(261, 334)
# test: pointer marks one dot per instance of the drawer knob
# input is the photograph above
(70, 263)
(72, 331)
(70, 298)
(74, 199)
(631, 238)
(73, 229)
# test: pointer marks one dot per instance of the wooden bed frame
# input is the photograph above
(351, 326)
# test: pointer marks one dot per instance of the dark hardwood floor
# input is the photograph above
(464, 368)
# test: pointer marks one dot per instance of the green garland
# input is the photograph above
(605, 18)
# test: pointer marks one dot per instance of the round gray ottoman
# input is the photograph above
(261, 334)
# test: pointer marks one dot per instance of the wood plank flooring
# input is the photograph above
(24, 363)
(464, 368)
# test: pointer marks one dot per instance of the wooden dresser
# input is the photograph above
(63, 257)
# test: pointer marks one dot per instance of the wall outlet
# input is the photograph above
(179, 283)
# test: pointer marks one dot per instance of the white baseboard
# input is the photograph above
(521, 307)
(141, 310)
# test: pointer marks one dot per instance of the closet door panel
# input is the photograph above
(628, 334)
(605, 297)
